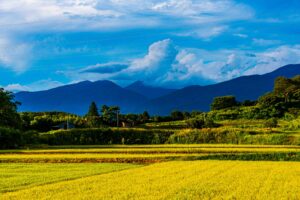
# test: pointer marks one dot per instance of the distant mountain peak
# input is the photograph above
(148, 91)
(106, 83)
(136, 84)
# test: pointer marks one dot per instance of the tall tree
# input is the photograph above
(289, 89)
(93, 110)
(284, 87)
(145, 116)
(8, 110)
(177, 115)
(106, 114)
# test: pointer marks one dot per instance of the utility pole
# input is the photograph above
(118, 118)
(68, 123)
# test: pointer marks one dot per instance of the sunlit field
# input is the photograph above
(178, 180)
(204, 171)
(19, 176)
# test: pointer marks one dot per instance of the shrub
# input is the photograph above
(177, 115)
(206, 135)
(195, 123)
(209, 123)
(271, 123)
(293, 124)
(201, 122)
(223, 102)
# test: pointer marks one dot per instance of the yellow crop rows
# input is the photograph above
(180, 180)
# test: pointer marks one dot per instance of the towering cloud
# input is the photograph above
(171, 65)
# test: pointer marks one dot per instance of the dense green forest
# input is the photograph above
(272, 119)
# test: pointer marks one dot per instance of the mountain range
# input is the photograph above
(138, 97)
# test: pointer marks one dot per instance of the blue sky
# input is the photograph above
(171, 43)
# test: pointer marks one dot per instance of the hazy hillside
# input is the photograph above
(200, 97)
(76, 98)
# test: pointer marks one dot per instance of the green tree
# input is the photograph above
(110, 114)
(186, 115)
(271, 105)
(195, 123)
(269, 100)
(271, 123)
(93, 110)
(220, 103)
(93, 117)
(145, 116)
(248, 103)
(286, 88)
(177, 115)
(8, 110)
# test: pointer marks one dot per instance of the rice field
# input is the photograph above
(207, 171)
(179, 180)
(21, 175)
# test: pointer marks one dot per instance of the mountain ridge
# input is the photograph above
(137, 97)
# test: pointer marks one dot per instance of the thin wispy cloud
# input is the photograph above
(15, 55)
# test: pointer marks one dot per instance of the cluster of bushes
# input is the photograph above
(249, 112)
(271, 123)
(104, 136)
(230, 136)
(13, 138)
(292, 125)
(201, 122)
(46, 121)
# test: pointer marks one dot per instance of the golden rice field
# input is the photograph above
(172, 180)
(151, 172)
(19, 176)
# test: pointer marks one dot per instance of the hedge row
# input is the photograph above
(231, 136)
(105, 136)
(12, 138)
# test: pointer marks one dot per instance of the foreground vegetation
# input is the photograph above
(179, 180)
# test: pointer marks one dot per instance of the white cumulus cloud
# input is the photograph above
(171, 65)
